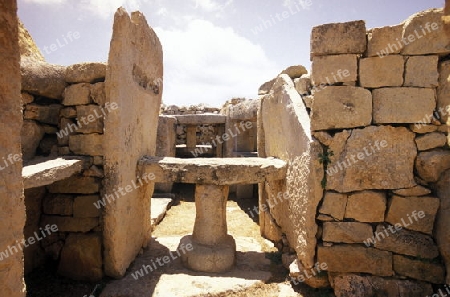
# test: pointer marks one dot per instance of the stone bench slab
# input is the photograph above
(44, 172)
(201, 119)
(213, 171)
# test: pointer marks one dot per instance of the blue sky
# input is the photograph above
(214, 50)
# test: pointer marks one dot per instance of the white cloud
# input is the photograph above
(44, 2)
(211, 5)
(299, 4)
(204, 63)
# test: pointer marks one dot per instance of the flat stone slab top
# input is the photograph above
(201, 119)
(42, 172)
(214, 171)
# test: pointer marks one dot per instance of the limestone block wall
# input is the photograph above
(382, 127)
(66, 123)
(12, 210)
(378, 104)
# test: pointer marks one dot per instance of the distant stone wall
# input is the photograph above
(204, 132)
(378, 106)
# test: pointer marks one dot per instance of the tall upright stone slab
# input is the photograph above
(134, 83)
(12, 206)
(285, 118)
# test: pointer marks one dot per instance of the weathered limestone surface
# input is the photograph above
(87, 144)
(425, 39)
(333, 69)
(379, 72)
(339, 38)
(285, 118)
(422, 71)
(352, 285)
(75, 185)
(77, 94)
(86, 72)
(58, 204)
(431, 164)
(334, 204)
(81, 257)
(70, 224)
(47, 172)
(12, 208)
(214, 171)
(373, 167)
(383, 41)
(134, 82)
(354, 258)
(414, 191)
(341, 107)
(346, 232)
(93, 117)
(28, 47)
(403, 105)
(401, 210)
(31, 135)
(442, 231)
(245, 111)
(295, 71)
(166, 145)
(47, 114)
(41, 78)
(405, 242)
(420, 270)
(431, 141)
(366, 206)
(443, 91)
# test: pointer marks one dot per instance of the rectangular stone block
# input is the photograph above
(341, 107)
(379, 72)
(334, 69)
(443, 91)
(83, 207)
(422, 71)
(403, 105)
(430, 141)
(339, 38)
(81, 257)
(77, 94)
(98, 94)
(354, 258)
(431, 164)
(369, 159)
(346, 232)
(366, 206)
(385, 41)
(47, 114)
(420, 270)
(90, 118)
(400, 241)
(86, 72)
(86, 144)
(76, 185)
(70, 224)
(58, 205)
(423, 34)
(413, 213)
(334, 204)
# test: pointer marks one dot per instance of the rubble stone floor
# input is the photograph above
(257, 272)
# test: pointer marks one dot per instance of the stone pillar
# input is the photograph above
(12, 207)
(191, 136)
(166, 145)
(213, 249)
(219, 148)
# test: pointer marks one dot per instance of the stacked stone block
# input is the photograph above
(379, 108)
(67, 124)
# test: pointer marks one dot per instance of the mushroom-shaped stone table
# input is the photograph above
(213, 249)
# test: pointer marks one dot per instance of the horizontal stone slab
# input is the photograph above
(214, 171)
(47, 171)
(201, 119)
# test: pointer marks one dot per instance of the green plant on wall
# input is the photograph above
(324, 159)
